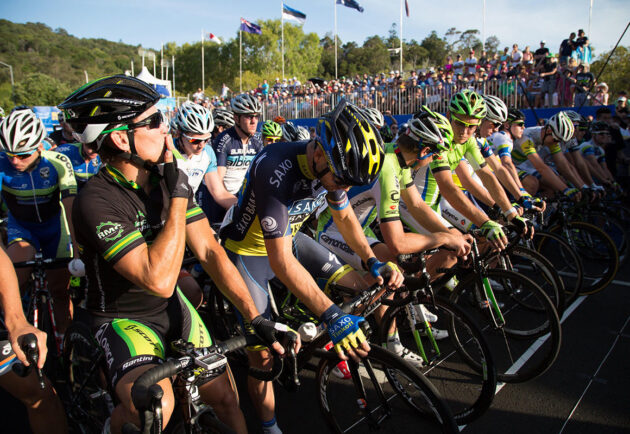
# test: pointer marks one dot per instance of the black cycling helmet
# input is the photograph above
(599, 127)
(111, 100)
(352, 146)
(515, 115)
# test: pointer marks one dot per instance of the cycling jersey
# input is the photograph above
(235, 156)
(278, 194)
(378, 199)
(35, 195)
(532, 143)
(197, 165)
(449, 160)
(572, 145)
(589, 148)
(83, 170)
(501, 143)
(484, 147)
(113, 216)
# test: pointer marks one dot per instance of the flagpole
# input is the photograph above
(173, 62)
(335, 6)
(483, 28)
(282, 37)
(240, 55)
(162, 61)
(203, 66)
(401, 38)
(590, 14)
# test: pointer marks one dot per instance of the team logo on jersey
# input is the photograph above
(269, 224)
(109, 231)
(44, 172)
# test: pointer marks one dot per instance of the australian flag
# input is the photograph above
(351, 4)
(248, 27)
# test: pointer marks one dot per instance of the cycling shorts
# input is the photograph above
(129, 343)
(52, 236)
(526, 168)
(323, 265)
(454, 217)
(333, 241)
(7, 356)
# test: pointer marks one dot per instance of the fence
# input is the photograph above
(397, 101)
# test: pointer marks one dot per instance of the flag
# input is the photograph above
(214, 38)
(248, 27)
(350, 4)
(407, 8)
(293, 14)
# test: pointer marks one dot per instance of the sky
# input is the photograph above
(151, 23)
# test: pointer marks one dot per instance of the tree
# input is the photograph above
(492, 44)
(414, 53)
(616, 73)
(40, 89)
(468, 40)
(436, 48)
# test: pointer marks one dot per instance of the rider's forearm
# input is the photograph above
(10, 300)
(503, 176)
(216, 188)
(550, 178)
(478, 191)
(511, 169)
(567, 171)
(460, 202)
(494, 188)
(582, 168)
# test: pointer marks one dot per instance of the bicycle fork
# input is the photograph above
(417, 319)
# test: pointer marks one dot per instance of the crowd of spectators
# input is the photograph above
(521, 78)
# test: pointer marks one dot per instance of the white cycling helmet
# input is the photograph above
(303, 134)
(496, 110)
(561, 127)
(1, 113)
(21, 132)
(374, 116)
(575, 117)
(289, 132)
(245, 104)
(223, 117)
(194, 119)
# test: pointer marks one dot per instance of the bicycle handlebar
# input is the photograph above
(44, 263)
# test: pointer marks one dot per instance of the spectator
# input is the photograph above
(541, 54)
(528, 57)
(583, 54)
(265, 88)
(583, 82)
(483, 61)
(622, 105)
(565, 86)
(448, 66)
(197, 96)
(601, 94)
(567, 47)
(458, 66)
(224, 91)
(516, 54)
(471, 62)
(549, 68)
(505, 56)
(582, 39)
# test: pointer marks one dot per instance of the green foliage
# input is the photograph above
(436, 47)
(492, 45)
(40, 89)
(617, 72)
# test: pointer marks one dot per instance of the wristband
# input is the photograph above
(509, 212)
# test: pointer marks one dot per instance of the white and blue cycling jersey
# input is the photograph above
(197, 165)
(235, 156)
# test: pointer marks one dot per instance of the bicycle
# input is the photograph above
(512, 312)
(461, 366)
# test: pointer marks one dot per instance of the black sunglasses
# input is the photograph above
(154, 121)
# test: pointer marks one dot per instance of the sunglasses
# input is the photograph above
(496, 124)
(154, 121)
(464, 123)
(194, 141)
(273, 139)
(519, 123)
(19, 156)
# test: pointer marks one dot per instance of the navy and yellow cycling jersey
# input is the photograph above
(83, 169)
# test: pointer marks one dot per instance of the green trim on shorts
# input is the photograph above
(198, 334)
(132, 333)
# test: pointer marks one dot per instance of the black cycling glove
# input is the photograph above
(176, 181)
(268, 331)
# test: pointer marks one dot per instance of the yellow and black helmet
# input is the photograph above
(353, 147)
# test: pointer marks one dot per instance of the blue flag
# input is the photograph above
(350, 4)
(293, 14)
(248, 27)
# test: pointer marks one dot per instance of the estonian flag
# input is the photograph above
(248, 27)
(350, 4)
(292, 14)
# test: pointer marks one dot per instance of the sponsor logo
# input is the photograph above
(337, 329)
(44, 172)
(109, 231)
(136, 361)
(144, 336)
(269, 224)
(280, 173)
(336, 244)
(306, 206)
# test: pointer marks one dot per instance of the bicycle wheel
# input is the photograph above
(384, 393)
(87, 401)
(460, 367)
(528, 343)
(536, 267)
(600, 259)
(614, 228)
(565, 260)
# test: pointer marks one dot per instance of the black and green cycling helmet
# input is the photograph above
(468, 103)
(271, 129)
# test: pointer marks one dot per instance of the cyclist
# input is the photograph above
(594, 153)
(289, 132)
(271, 132)
(380, 200)
(237, 146)
(38, 187)
(223, 119)
(285, 184)
(85, 162)
(191, 130)
(62, 135)
(134, 219)
(45, 412)
(302, 133)
(546, 140)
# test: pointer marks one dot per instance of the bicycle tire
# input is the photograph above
(87, 403)
(512, 343)
(565, 260)
(419, 404)
(614, 228)
(463, 371)
(536, 267)
(600, 256)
